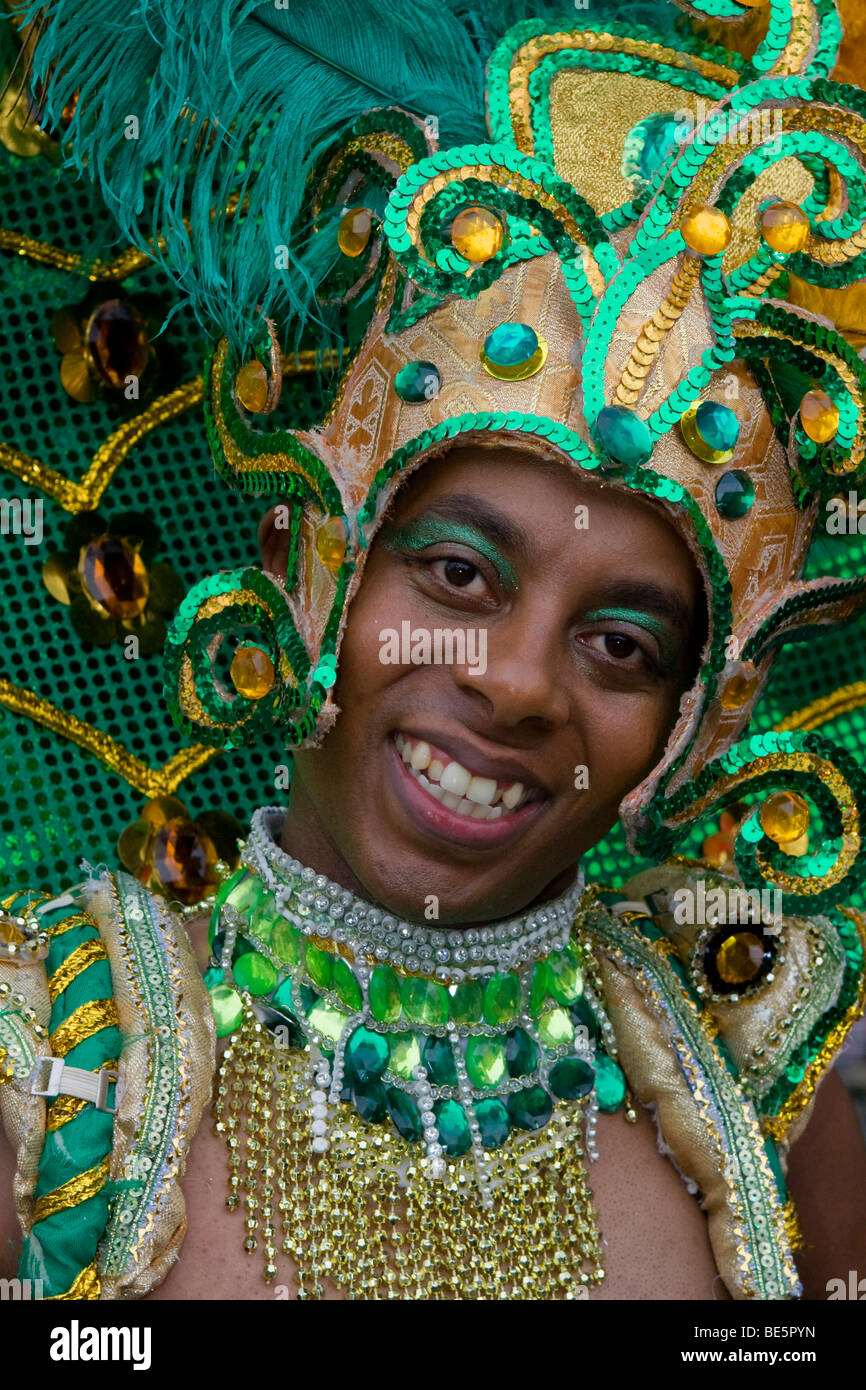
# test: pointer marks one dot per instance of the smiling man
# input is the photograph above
(577, 424)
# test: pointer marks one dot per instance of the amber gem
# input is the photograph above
(252, 672)
(819, 416)
(331, 544)
(476, 233)
(76, 380)
(706, 230)
(251, 386)
(738, 691)
(785, 227)
(740, 957)
(116, 339)
(184, 860)
(785, 817)
(114, 577)
(718, 849)
(354, 230)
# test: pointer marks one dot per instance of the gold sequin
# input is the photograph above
(828, 707)
(653, 333)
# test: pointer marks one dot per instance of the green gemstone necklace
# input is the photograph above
(456, 1049)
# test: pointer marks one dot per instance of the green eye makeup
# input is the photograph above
(669, 644)
(428, 530)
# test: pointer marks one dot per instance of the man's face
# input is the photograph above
(479, 782)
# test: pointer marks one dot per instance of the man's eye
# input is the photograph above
(617, 645)
(461, 574)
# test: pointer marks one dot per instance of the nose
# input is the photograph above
(523, 678)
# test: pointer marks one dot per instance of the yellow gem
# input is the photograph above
(252, 672)
(331, 544)
(354, 231)
(251, 386)
(785, 227)
(706, 230)
(476, 233)
(740, 958)
(738, 691)
(784, 817)
(797, 847)
(819, 416)
(76, 379)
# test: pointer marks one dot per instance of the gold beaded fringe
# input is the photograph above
(365, 1217)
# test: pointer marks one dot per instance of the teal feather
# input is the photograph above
(264, 91)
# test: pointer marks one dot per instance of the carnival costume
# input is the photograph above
(613, 275)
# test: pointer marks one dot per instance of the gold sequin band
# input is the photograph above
(82, 1023)
(79, 1189)
(654, 332)
(86, 1286)
(75, 963)
(77, 919)
(821, 711)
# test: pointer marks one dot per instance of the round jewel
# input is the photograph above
(513, 352)
(477, 234)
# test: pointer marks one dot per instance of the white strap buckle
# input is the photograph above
(52, 1077)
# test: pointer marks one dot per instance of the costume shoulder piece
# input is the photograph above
(726, 1025)
(108, 1061)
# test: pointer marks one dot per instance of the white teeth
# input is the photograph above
(511, 797)
(451, 800)
(463, 807)
(420, 756)
(432, 787)
(475, 810)
(455, 779)
(482, 790)
(435, 770)
(406, 752)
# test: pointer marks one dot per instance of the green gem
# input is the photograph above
(347, 987)
(318, 966)
(425, 1002)
(735, 493)
(405, 1055)
(555, 1028)
(384, 995)
(405, 1115)
(284, 942)
(511, 344)
(530, 1109)
(417, 381)
(521, 1054)
(467, 1002)
(454, 1133)
(584, 1017)
(623, 435)
(501, 998)
(366, 1055)
(571, 1078)
(227, 1009)
(370, 1102)
(246, 895)
(540, 988)
(264, 919)
(493, 1122)
(609, 1083)
(282, 998)
(253, 972)
(327, 1020)
(564, 975)
(485, 1061)
(438, 1059)
(718, 426)
(213, 976)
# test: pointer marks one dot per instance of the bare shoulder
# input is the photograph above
(827, 1180)
(10, 1229)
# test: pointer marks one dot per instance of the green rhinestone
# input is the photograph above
(347, 987)
(454, 1132)
(227, 1009)
(735, 493)
(555, 1028)
(623, 435)
(467, 1002)
(246, 895)
(485, 1061)
(511, 344)
(540, 988)
(327, 1020)
(584, 1017)
(264, 919)
(564, 975)
(366, 1055)
(318, 966)
(438, 1059)
(718, 426)
(384, 994)
(501, 998)
(284, 942)
(253, 972)
(571, 1078)
(493, 1122)
(405, 1055)
(417, 381)
(425, 1002)
(370, 1102)
(521, 1053)
(530, 1109)
(609, 1083)
(282, 997)
(213, 976)
(405, 1115)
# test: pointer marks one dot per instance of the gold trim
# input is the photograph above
(77, 919)
(812, 716)
(72, 1193)
(82, 1023)
(654, 332)
(75, 964)
(87, 1286)
(150, 781)
(85, 495)
(46, 253)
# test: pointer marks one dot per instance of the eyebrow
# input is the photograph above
(466, 507)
